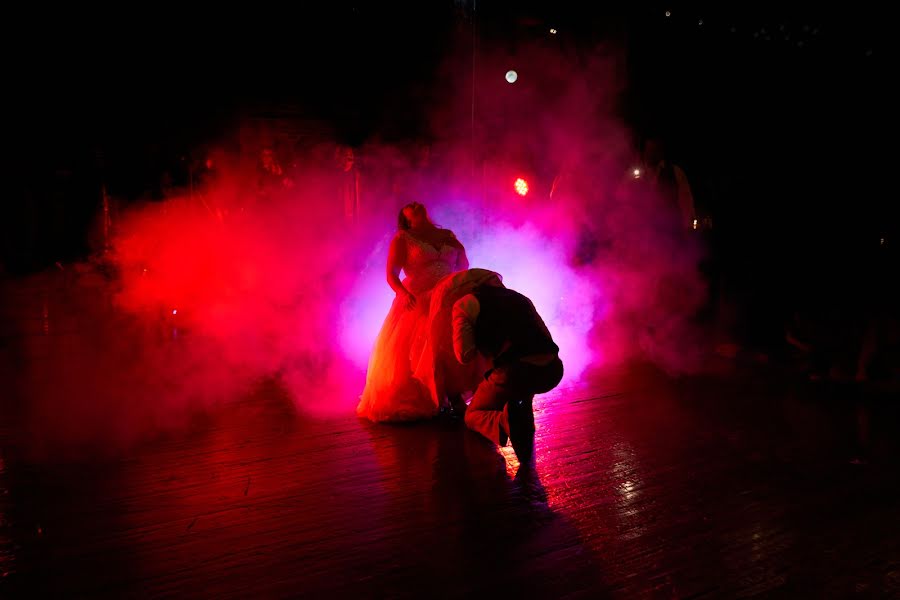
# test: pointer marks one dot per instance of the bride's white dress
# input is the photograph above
(412, 368)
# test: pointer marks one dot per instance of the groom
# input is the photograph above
(502, 325)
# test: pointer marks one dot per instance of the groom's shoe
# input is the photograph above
(521, 428)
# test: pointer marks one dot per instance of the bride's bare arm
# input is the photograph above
(395, 262)
(462, 261)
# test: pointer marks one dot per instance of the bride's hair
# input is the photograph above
(403, 223)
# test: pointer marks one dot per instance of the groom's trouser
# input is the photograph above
(517, 382)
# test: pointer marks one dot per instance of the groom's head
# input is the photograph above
(489, 285)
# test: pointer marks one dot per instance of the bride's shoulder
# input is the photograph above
(399, 238)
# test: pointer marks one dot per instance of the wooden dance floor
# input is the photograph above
(736, 485)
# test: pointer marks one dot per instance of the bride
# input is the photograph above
(411, 374)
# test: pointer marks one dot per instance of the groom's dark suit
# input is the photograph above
(504, 326)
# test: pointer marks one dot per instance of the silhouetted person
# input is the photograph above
(667, 180)
(348, 182)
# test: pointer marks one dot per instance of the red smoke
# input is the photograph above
(220, 289)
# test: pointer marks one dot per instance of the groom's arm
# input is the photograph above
(465, 311)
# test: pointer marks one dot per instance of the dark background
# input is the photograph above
(782, 118)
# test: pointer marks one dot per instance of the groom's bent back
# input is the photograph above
(504, 326)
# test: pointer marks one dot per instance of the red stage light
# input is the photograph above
(521, 187)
